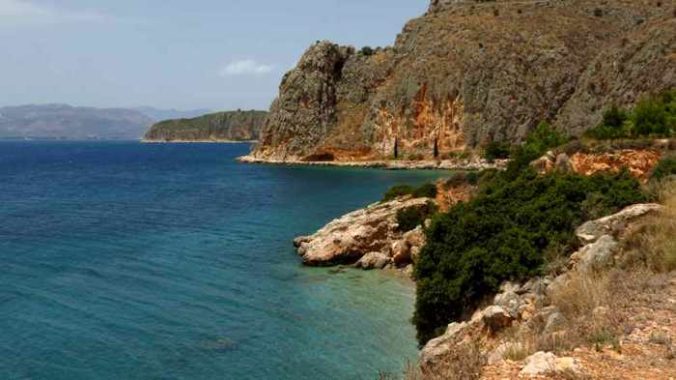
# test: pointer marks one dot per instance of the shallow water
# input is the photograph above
(124, 260)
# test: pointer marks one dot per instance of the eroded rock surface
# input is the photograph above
(372, 230)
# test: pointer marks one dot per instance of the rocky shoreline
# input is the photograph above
(146, 141)
(369, 238)
(457, 164)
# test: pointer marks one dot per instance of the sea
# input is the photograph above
(122, 260)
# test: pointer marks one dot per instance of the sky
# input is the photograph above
(182, 54)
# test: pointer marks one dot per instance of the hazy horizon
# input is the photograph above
(174, 55)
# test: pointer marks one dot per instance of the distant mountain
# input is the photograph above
(166, 114)
(64, 122)
(221, 126)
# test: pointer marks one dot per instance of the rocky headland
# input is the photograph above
(234, 126)
(468, 73)
(374, 237)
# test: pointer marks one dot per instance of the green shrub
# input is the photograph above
(462, 178)
(502, 234)
(653, 116)
(367, 51)
(613, 126)
(412, 217)
(497, 150)
(428, 190)
(665, 168)
(397, 191)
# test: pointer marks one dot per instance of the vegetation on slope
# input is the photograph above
(428, 190)
(653, 116)
(518, 222)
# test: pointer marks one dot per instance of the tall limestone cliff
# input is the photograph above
(470, 72)
(221, 126)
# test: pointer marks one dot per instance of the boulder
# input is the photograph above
(401, 252)
(509, 301)
(438, 347)
(496, 318)
(614, 224)
(563, 164)
(596, 256)
(544, 164)
(373, 260)
(546, 363)
(555, 322)
(346, 239)
(498, 354)
(540, 363)
(407, 250)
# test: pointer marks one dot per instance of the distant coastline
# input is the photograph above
(146, 141)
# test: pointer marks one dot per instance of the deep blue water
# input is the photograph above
(131, 261)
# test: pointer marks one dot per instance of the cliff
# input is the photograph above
(467, 73)
(221, 126)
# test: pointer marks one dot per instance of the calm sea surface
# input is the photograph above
(131, 261)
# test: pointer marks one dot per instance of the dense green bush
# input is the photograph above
(428, 190)
(497, 150)
(666, 167)
(614, 125)
(653, 116)
(503, 234)
(412, 217)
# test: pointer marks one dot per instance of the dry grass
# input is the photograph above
(652, 242)
(588, 302)
(464, 362)
(582, 295)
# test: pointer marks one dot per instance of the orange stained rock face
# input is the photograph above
(433, 127)
(639, 162)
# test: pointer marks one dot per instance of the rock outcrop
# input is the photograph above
(369, 237)
(639, 162)
(221, 126)
(467, 73)
(593, 230)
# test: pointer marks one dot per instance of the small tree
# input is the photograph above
(367, 51)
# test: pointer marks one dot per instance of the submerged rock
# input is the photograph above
(373, 260)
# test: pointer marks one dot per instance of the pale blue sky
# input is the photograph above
(217, 54)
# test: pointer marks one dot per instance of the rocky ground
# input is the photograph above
(594, 320)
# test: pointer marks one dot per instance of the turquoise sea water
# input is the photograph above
(131, 261)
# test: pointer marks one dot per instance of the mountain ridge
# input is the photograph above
(467, 73)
